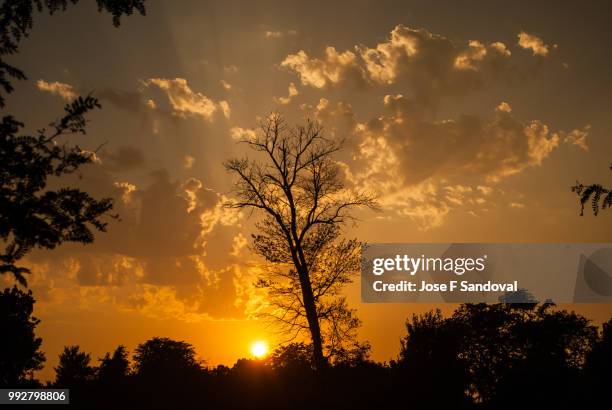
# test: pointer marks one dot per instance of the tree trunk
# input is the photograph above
(313, 322)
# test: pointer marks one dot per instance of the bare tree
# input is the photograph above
(300, 190)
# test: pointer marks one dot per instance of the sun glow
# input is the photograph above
(259, 349)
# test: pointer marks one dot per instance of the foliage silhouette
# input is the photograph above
(599, 196)
(429, 362)
(17, 18)
(482, 357)
(160, 356)
(74, 369)
(20, 353)
(32, 216)
(495, 350)
(114, 369)
(292, 356)
(299, 189)
(520, 296)
(598, 368)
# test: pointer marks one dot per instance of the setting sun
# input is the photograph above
(259, 349)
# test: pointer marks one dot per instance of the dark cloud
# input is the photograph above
(132, 101)
(124, 158)
(172, 241)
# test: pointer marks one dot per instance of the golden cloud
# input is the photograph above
(65, 91)
(333, 68)
(423, 168)
(431, 63)
(186, 102)
(292, 92)
(533, 43)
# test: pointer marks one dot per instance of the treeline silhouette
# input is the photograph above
(483, 356)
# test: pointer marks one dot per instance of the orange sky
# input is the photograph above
(470, 124)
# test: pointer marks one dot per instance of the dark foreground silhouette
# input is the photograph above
(483, 356)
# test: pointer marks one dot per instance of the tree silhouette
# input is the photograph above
(546, 354)
(296, 356)
(33, 216)
(299, 189)
(19, 346)
(520, 296)
(599, 196)
(598, 368)
(159, 357)
(429, 361)
(114, 369)
(500, 354)
(16, 20)
(74, 369)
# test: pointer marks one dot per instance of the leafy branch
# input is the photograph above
(599, 196)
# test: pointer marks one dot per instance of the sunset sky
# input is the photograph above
(469, 121)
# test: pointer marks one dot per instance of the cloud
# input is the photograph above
(226, 86)
(432, 66)
(273, 35)
(578, 137)
(485, 190)
(292, 92)
(239, 134)
(65, 91)
(339, 122)
(225, 108)
(472, 56)
(230, 69)
(188, 161)
(171, 244)
(501, 48)
(456, 193)
(533, 43)
(333, 68)
(128, 190)
(422, 167)
(132, 101)
(504, 107)
(185, 102)
(239, 244)
(467, 146)
(124, 158)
